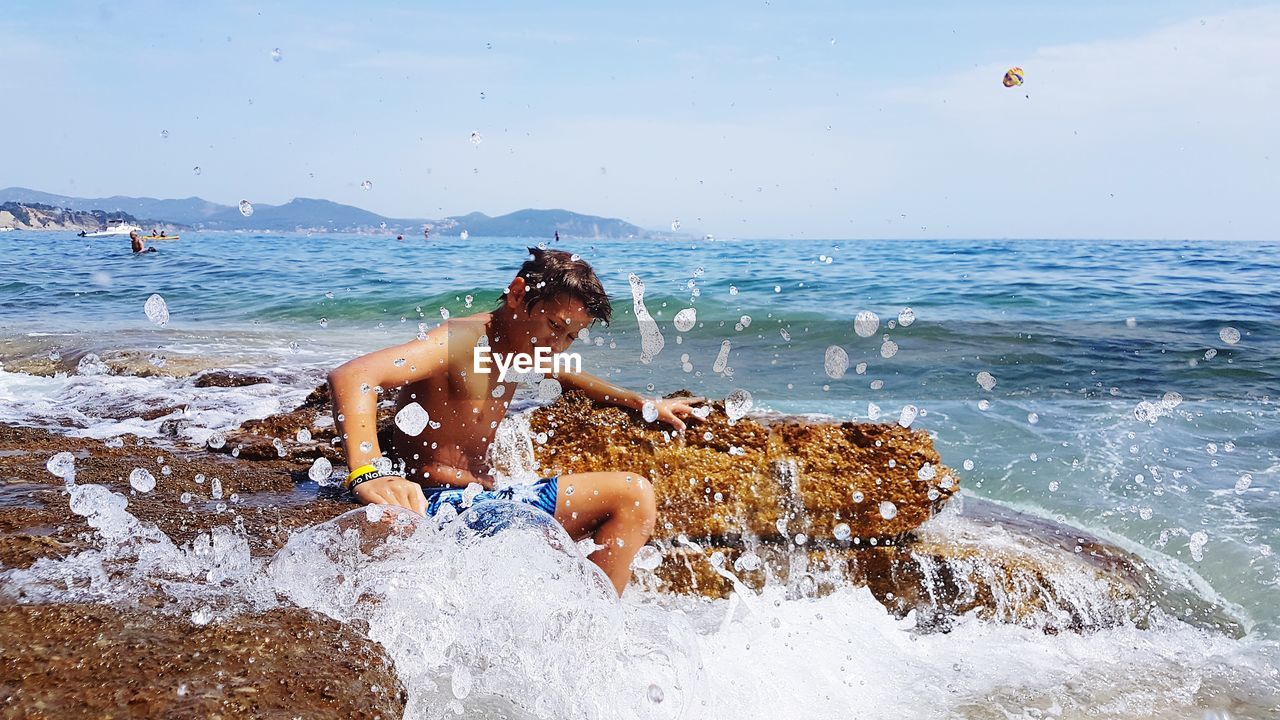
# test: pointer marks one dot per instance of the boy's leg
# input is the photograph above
(615, 508)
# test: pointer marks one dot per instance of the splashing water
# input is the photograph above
(866, 323)
(156, 310)
(142, 480)
(835, 362)
(649, 411)
(721, 363)
(685, 319)
(651, 341)
(321, 470)
(412, 419)
(737, 404)
(451, 631)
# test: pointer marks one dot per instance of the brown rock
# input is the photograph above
(226, 378)
(98, 661)
(719, 481)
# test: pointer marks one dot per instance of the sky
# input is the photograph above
(738, 119)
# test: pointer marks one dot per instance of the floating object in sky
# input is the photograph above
(1013, 77)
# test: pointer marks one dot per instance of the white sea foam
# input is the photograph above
(104, 406)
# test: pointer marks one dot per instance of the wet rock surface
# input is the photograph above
(777, 501)
(63, 661)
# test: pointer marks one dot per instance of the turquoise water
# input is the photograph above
(1079, 335)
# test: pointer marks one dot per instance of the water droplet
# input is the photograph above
(246, 208)
(647, 558)
(303, 436)
(142, 480)
(722, 358)
(1229, 335)
(888, 349)
(164, 134)
(675, 225)
(888, 510)
(476, 138)
(986, 380)
(1033, 418)
(655, 694)
(873, 411)
(686, 319)
(368, 185)
(196, 170)
(737, 404)
(842, 532)
(1241, 485)
(569, 490)
(157, 311)
(968, 464)
(217, 440)
(1131, 322)
(908, 415)
(866, 323)
(1196, 544)
(649, 411)
(836, 362)
(62, 465)
(984, 405)
(858, 496)
(906, 317)
(215, 489)
(464, 235)
(877, 384)
(412, 419)
(324, 322)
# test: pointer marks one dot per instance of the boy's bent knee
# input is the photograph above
(639, 500)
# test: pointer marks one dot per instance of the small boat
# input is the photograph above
(159, 237)
(114, 228)
(6, 229)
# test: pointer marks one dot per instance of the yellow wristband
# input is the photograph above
(362, 470)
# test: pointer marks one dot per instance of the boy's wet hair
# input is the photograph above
(548, 273)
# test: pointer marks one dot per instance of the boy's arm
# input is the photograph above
(670, 410)
(353, 387)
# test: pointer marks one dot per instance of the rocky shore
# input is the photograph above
(807, 505)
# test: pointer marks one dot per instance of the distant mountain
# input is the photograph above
(325, 215)
(539, 223)
(39, 216)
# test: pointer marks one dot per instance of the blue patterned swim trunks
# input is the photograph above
(540, 494)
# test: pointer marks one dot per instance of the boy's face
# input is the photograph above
(553, 323)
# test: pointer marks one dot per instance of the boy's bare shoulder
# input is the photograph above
(459, 336)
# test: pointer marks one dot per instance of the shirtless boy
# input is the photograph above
(551, 300)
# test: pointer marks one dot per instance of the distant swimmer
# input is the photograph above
(136, 243)
(557, 236)
(426, 233)
(400, 238)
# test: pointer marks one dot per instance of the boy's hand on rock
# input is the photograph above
(393, 490)
(672, 411)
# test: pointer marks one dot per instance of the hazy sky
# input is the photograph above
(751, 119)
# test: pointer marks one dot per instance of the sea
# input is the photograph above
(1128, 388)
